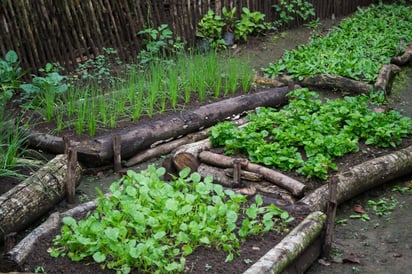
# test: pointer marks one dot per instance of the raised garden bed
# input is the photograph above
(358, 172)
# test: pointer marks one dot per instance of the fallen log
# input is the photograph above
(362, 177)
(291, 247)
(385, 78)
(328, 81)
(166, 147)
(187, 155)
(99, 151)
(36, 195)
(295, 187)
(405, 57)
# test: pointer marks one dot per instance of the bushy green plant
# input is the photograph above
(160, 44)
(345, 52)
(250, 23)
(150, 225)
(289, 10)
(43, 91)
(10, 76)
(212, 26)
(324, 130)
(100, 70)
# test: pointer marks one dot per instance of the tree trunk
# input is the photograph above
(363, 177)
(327, 81)
(99, 151)
(34, 196)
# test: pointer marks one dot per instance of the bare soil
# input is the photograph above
(261, 51)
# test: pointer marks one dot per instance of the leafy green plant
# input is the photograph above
(324, 130)
(289, 10)
(44, 90)
(364, 217)
(211, 27)
(383, 206)
(250, 23)
(344, 52)
(10, 76)
(159, 45)
(100, 70)
(152, 226)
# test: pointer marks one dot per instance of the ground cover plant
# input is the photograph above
(356, 48)
(150, 225)
(308, 134)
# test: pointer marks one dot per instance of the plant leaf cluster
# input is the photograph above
(356, 48)
(308, 134)
(152, 226)
(212, 26)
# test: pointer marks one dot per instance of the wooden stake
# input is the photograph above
(71, 175)
(117, 153)
(330, 217)
(236, 172)
(9, 241)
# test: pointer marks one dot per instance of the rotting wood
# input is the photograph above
(406, 57)
(34, 196)
(136, 138)
(295, 187)
(290, 248)
(385, 78)
(328, 81)
(362, 177)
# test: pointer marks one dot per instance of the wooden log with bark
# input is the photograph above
(362, 177)
(99, 151)
(291, 247)
(34, 196)
(166, 147)
(328, 81)
(295, 187)
(385, 78)
(406, 57)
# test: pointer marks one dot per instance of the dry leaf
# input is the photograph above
(255, 248)
(351, 259)
(247, 191)
(323, 262)
(359, 209)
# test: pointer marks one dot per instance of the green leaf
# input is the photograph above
(99, 257)
(11, 57)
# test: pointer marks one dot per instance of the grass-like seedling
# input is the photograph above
(150, 225)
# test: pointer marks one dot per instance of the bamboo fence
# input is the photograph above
(72, 31)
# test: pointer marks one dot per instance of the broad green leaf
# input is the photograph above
(99, 257)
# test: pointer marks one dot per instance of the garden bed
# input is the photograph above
(254, 248)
